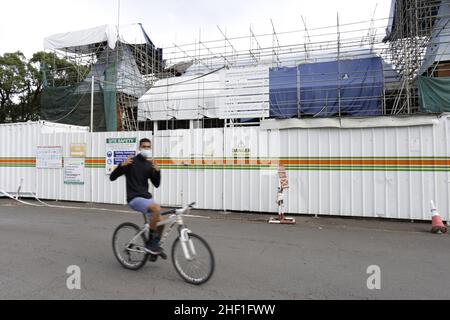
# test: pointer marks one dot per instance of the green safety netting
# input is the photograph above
(109, 97)
(72, 104)
(434, 94)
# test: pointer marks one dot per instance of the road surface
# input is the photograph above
(319, 258)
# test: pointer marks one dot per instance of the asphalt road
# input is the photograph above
(324, 258)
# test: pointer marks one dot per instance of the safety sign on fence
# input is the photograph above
(118, 150)
(284, 182)
(74, 171)
(78, 150)
(49, 157)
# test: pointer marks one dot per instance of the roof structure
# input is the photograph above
(84, 41)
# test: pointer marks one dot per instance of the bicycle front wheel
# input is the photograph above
(196, 264)
(129, 253)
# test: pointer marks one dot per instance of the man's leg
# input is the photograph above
(155, 218)
(155, 231)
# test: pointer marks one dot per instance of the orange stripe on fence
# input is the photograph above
(371, 162)
(17, 161)
(342, 162)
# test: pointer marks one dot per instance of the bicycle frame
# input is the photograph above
(176, 217)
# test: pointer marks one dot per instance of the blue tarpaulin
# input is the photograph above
(320, 89)
(283, 92)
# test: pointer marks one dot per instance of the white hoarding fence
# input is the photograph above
(390, 172)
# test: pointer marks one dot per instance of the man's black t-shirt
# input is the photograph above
(137, 175)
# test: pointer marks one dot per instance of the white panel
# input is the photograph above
(245, 93)
(103, 190)
(170, 145)
(50, 182)
(204, 184)
(19, 140)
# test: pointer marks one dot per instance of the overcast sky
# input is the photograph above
(25, 23)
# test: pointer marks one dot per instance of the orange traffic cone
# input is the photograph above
(437, 226)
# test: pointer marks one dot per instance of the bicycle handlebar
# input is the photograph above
(190, 206)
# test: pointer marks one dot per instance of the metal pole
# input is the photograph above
(92, 105)
(338, 64)
(298, 93)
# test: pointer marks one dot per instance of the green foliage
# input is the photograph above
(56, 71)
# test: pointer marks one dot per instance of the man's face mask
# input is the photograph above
(146, 153)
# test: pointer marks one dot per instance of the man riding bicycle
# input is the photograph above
(138, 171)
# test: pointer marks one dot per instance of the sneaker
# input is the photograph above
(163, 255)
(153, 257)
(153, 248)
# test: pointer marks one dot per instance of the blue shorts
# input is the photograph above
(141, 205)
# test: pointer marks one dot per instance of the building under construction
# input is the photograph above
(354, 112)
(114, 68)
(391, 66)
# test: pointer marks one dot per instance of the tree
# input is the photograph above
(57, 71)
(13, 70)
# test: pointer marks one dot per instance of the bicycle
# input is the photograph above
(188, 250)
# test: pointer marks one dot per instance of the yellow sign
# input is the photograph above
(78, 150)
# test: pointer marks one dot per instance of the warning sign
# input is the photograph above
(284, 182)
(49, 157)
(78, 150)
(118, 150)
(74, 171)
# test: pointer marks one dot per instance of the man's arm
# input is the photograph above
(121, 169)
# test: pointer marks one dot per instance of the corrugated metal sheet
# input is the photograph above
(390, 172)
(17, 152)
(251, 180)
(370, 172)
(50, 182)
(203, 178)
(97, 187)
(190, 173)
(380, 172)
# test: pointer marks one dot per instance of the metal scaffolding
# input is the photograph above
(194, 83)
(121, 75)
(409, 35)
(277, 49)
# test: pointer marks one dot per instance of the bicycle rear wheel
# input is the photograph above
(200, 267)
(130, 255)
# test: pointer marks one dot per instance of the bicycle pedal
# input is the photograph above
(153, 258)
